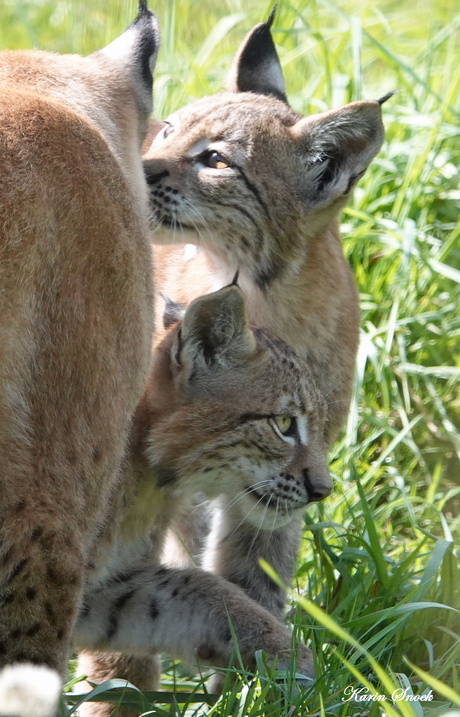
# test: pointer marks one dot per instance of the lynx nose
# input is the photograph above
(317, 489)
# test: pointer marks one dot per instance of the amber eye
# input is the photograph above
(213, 160)
(284, 423)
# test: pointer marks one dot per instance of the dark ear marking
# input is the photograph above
(256, 67)
(180, 344)
(173, 312)
(135, 52)
(234, 281)
(148, 42)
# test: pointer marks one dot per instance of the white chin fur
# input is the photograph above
(29, 691)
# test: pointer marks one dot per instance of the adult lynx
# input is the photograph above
(76, 319)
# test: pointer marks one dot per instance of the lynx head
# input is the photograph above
(235, 412)
(111, 87)
(250, 178)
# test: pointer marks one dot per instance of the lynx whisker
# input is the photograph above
(245, 517)
(260, 526)
(245, 492)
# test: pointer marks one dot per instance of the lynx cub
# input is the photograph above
(227, 411)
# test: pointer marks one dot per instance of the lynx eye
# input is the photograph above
(213, 160)
(283, 423)
(285, 426)
(164, 132)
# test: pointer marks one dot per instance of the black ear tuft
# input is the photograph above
(135, 52)
(387, 96)
(256, 67)
(173, 312)
(269, 22)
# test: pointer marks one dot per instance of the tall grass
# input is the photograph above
(378, 576)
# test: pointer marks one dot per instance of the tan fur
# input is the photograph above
(75, 325)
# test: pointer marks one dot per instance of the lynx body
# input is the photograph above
(76, 320)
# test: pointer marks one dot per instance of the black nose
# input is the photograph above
(151, 178)
(315, 492)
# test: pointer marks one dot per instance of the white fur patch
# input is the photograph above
(190, 252)
(302, 428)
(199, 147)
(29, 691)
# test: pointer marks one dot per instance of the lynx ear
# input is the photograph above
(256, 67)
(135, 52)
(336, 148)
(173, 312)
(215, 333)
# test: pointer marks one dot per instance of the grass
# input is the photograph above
(377, 589)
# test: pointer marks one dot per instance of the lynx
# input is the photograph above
(228, 410)
(76, 320)
(240, 181)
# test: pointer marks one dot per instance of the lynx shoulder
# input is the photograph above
(256, 186)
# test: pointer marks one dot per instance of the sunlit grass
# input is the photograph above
(381, 555)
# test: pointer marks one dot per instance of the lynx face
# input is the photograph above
(246, 176)
(248, 421)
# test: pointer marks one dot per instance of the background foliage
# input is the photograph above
(381, 556)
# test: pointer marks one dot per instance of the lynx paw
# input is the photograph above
(29, 691)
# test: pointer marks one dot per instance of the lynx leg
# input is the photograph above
(186, 539)
(143, 672)
(41, 576)
(184, 613)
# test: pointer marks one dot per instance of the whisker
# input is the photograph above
(276, 515)
(245, 518)
(260, 526)
(246, 491)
